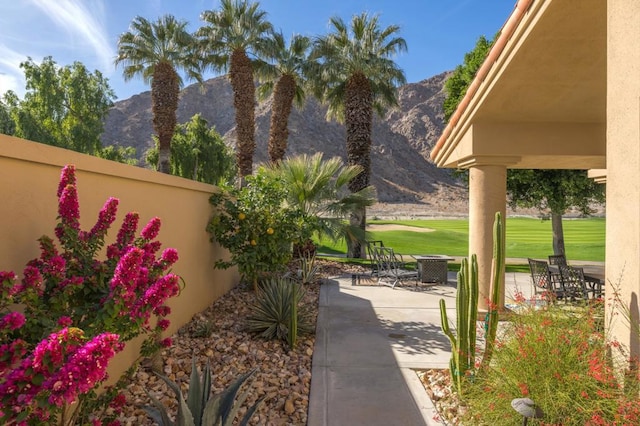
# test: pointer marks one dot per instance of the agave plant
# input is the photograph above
(278, 309)
(308, 268)
(199, 409)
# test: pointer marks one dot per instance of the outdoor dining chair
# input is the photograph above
(554, 261)
(573, 283)
(391, 268)
(543, 280)
(371, 254)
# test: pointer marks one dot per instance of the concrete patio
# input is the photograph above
(369, 340)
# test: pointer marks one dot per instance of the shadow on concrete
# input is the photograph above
(366, 339)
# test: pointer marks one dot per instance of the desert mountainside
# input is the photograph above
(401, 169)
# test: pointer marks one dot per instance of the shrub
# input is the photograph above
(78, 312)
(558, 357)
(278, 305)
(320, 188)
(257, 227)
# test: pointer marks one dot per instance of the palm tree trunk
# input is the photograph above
(165, 91)
(244, 99)
(358, 122)
(558, 233)
(279, 128)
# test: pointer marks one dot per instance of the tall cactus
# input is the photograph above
(463, 345)
(497, 272)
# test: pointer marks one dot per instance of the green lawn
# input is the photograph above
(526, 237)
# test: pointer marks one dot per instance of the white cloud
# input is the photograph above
(11, 75)
(86, 23)
(10, 82)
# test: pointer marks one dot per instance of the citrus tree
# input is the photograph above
(256, 225)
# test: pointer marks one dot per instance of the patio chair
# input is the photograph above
(391, 268)
(573, 283)
(371, 254)
(557, 259)
(554, 261)
(543, 280)
(595, 287)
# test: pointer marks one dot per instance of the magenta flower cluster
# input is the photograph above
(87, 307)
(60, 368)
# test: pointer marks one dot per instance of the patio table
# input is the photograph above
(432, 268)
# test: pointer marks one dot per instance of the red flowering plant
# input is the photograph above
(558, 355)
(77, 312)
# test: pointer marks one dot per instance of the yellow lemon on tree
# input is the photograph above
(270, 231)
(254, 243)
(241, 216)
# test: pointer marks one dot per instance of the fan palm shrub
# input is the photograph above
(319, 189)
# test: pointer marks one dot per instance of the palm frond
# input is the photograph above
(148, 44)
(362, 47)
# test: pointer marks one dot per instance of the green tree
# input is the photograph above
(63, 106)
(356, 77)
(198, 152)
(7, 126)
(318, 188)
(120, 154)
(286, 79)
(554, 190)
(156, 51)
(232, 35)
(256, 225)
(456, 85)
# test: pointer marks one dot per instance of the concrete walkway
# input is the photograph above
(369, 338)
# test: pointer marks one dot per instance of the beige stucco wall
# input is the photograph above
(29, 176)
(623, 159)
(532, 145)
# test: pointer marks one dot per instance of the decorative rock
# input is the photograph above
(283, 377)
(289, 408)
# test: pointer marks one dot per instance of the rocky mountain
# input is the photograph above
(401, 169)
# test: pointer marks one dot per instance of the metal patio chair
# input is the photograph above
(391, 268)
(573, 283)
(543, 280)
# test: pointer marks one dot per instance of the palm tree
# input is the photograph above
(234, 33)
(155, 51)
(286, 80)
(356, 77)
(318, 188)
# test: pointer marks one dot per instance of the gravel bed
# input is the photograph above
(218, 335)
(437, 384)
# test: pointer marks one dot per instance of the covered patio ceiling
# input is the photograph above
(540, 98)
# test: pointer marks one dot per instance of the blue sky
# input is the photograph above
(438, 32)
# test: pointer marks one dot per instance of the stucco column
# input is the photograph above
(487, 195)
(623, 165)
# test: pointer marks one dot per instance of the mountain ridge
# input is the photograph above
(401, 169)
